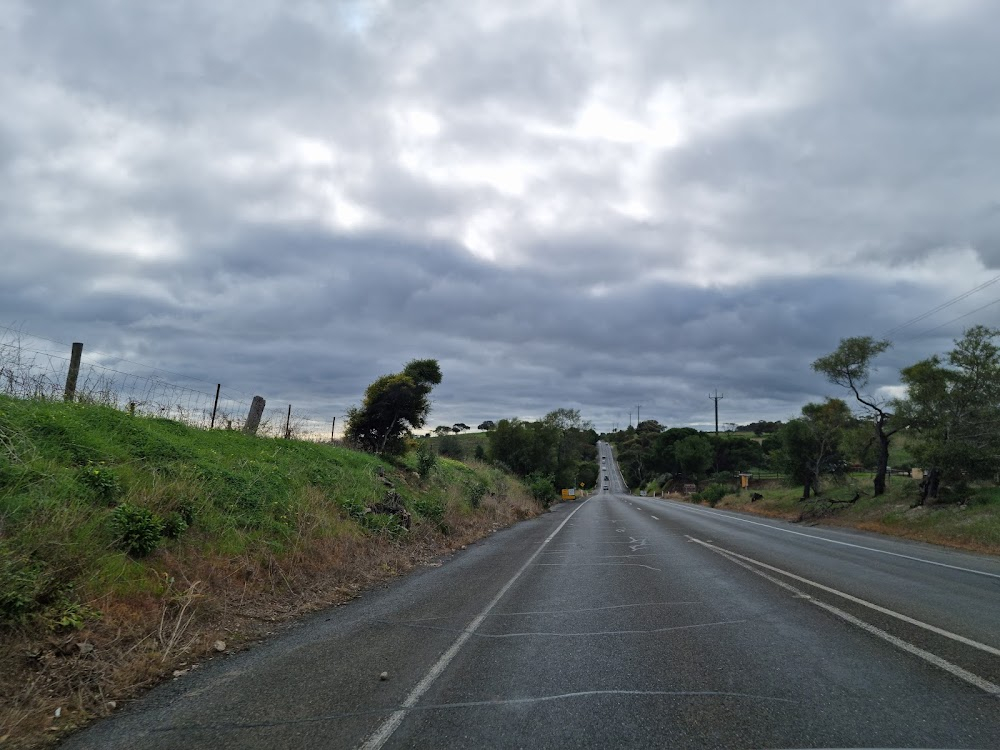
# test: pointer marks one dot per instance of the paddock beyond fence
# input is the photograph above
(33, 367)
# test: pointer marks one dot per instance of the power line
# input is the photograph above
(942, 306)
(953, 320)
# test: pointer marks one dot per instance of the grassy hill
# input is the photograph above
(130, 546)
(466, 440)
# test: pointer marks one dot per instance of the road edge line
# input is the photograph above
(864, 603)
(953, 669)
(734, 516)
(382, 734)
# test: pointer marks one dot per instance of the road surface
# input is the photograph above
(620, 622)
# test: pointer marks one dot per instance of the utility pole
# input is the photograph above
(716, 398)
(637, 408)
(630, 419)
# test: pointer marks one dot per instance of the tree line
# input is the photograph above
(950, 416)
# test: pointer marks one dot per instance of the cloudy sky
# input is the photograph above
(567, 202)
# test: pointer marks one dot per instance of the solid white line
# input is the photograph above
(964, 675)
(654, 517)
(833, 541)
(856, 600)
(377, 739)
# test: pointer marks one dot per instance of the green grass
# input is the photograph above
(66, 467)
(468, 441)
(974, 524)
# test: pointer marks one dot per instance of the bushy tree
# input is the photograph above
(558, 446)
(694, 455)
(810, 444)
(953, 407)
(393, 405)
(487, 425)
(850, 366)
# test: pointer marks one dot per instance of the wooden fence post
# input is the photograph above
(74, 371)
(333, 430)
(288, 424)
(215, 407)
(253, 418)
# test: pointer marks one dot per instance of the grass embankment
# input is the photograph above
(129, 546)
(972, 525)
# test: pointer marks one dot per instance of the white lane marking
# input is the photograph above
(964, 675)
(856, 600)
(655, 518)
(379, 737)
(833, 541)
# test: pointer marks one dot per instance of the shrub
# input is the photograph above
(476, 491)
(101, 480)
(425, 458)
(429, 508)
(542, 488)
(137, 530)
(174, 525)
(21, 586)
(713, 494)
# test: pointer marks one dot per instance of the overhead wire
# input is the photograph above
(944, 305)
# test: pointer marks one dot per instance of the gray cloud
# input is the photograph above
(568, 204)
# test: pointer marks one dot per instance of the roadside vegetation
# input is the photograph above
(133, 547)
(924, 466)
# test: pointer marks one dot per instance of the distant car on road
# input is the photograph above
(605, 486)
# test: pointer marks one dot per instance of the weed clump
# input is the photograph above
(137, 530)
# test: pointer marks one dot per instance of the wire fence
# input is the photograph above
(34, 367)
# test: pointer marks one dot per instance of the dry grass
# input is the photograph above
(143, 638)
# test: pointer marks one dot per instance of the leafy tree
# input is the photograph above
(558, 446)
(810, 443)
(694, 455)
(488, 425)
(393, 405)
(850, 366)
(737, 453)
(459, 427)
(955, 410)
(442, 429)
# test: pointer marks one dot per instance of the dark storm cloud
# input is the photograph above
(567, 203)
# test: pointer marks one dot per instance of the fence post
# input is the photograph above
(333, 430)
(253, 418)
(74, 371)
(215, 406)
(288, 424)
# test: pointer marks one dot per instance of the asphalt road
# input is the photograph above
(620, 622)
